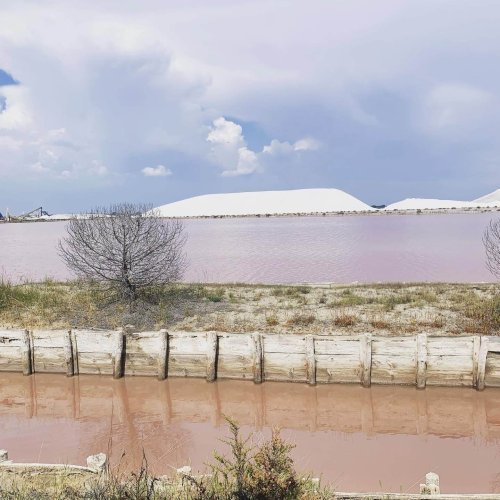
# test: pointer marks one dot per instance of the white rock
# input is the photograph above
(97, 462)
(184, 471)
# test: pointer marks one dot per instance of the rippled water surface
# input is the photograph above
(383, 438)
(292, 249)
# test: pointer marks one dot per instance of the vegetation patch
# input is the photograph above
(390, 309)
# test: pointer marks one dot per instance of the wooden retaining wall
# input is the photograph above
(420, 360)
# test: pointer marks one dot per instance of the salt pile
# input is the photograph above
(492, 199)
(430, 204)
(303, 201)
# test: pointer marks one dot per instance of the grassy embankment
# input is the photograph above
(383, 309)
(264, 472)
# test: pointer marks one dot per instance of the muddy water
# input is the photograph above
(383, 438)
(444, 247)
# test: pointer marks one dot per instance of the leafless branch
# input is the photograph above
(126, 245)
(491, 240)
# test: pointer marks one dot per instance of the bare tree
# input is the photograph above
(126, 246)
(491, 240)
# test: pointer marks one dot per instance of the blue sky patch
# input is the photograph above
(7, 79)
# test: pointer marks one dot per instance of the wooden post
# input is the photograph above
(68, 354)
(421, 375)
(256, 342)
(310, 360)
(74, 347)
(118, 355)
(212, 347)
(26, 353)
(365, 359)
(481, 363)
(475, 359)
(163, 355)
(431, 486)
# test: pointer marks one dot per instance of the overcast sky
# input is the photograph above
(155, 101)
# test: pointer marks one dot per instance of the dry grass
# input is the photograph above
(388, 309)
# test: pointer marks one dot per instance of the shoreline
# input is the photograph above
(376, 212)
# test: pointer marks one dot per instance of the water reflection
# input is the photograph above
(338, 429)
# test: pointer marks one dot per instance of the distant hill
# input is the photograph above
(303, 201)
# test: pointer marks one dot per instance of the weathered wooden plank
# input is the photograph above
(365, 359)
(337, 345)
(12, 338)
(449, 370)
(100, 363)
(235, 344)
(49, 361)
(310, 360)
(386, 346)
(94, 340)
(492, 370)
(12, 362)
(11, 350)
(288, 344)
(140, 364)
(256, 346)
(450, 346)
(143, 342)
(281, 366)
(393, 370)
(188, 343)
(185, 365)
(422, 354)
(212, 346)
(235, 366)
(338, 369)
(49, 338)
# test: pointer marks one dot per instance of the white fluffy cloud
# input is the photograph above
(158, 171)
(230, 151)
(277, 148)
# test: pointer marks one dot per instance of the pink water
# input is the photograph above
(445, 247)
(378, 439)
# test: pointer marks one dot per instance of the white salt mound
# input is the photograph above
(265, 202)
(431, 204)
(491, 198)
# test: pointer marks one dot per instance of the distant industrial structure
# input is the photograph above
(34, 214)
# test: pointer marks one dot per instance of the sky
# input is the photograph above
(156, 101)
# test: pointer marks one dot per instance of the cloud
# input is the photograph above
(106, 88)
(230, 151)
(307, 144)
(277, 148)
(158, 171)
